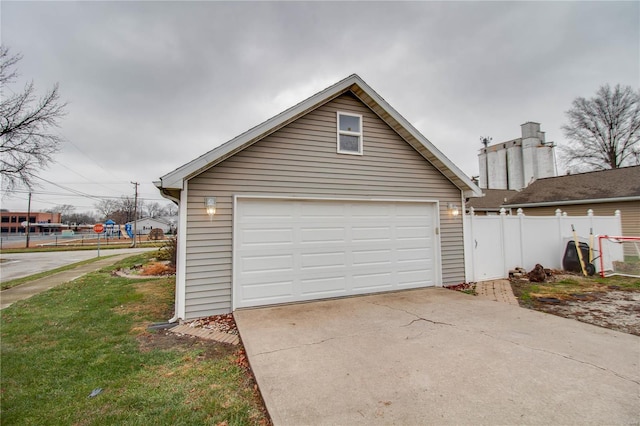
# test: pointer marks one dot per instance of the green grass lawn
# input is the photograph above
(91, 333)
(13, 283)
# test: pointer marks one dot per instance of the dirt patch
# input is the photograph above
(616, 310)
(613, 303)
(166, 340)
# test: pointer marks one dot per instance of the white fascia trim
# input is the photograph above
(181, 261)
(420, 138)
(572, 202)
(336, 198)
(176, 178)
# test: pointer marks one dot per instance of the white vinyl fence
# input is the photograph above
(496, 244)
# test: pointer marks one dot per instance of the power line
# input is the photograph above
(82, 176)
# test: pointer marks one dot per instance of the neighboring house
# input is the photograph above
(336, 196)
(491, 201)
(146, 224)
(604, 192)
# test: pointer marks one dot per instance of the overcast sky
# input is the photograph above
(153, 85)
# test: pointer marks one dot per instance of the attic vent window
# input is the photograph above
(349, 133)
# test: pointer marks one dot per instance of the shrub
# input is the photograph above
(169, 251)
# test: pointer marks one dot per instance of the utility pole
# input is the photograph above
(28, 222)
(135, 214)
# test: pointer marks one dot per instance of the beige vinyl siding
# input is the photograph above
(629, 211)
(301, 160)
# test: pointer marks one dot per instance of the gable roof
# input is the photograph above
(162, 220)
(492, 199)
(174, 180)
(602, 186)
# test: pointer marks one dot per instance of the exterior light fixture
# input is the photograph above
(210, 206)
(453, 209)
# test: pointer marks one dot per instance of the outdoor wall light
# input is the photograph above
(210, 206)
(453, 209)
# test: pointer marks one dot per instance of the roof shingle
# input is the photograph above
(603, 184)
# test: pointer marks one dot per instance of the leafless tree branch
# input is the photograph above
(27, 140)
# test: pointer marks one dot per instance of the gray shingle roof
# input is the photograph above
(604, 184)
(492, 199)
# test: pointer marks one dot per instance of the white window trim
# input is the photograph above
(339, 132)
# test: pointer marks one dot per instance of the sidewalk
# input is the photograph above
(497, 290)
(28, 289)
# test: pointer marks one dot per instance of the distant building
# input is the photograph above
(12, 222)
(146, 224)
(517, 163)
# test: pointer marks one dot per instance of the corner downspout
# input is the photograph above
(176, 200)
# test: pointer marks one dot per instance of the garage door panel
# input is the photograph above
(268, 263)
(365, 212)
(264, 292)
(258, 211)
(322, 260)
(416, 277)
(252, 237)
(371, 233)
(372, 282)
(321, 234)
(330, 248)
(328, 286)
(311, 210)
(371, 257)
(413, 232)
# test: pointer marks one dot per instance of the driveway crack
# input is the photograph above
(417, 317)
(567, 357)
(319, 342)
(429, 321)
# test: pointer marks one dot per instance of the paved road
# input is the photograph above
(31, 288)
(18, 265)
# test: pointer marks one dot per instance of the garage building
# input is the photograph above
(336, 196)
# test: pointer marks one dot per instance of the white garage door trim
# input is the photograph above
(421, 238)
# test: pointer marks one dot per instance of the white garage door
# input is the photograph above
(295, 250)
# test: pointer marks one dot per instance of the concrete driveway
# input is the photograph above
(435, 356)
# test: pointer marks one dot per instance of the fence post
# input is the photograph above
(503, 215)
(472, 242)
(520, 213)
(618, 214)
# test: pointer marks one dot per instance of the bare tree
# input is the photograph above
(106, 207)
(153, 209)
(27, 142)
(65, 211)
(604, 131)
(81, 218)
(126, 209)
(171, 210)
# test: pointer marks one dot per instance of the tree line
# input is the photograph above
(120, 210)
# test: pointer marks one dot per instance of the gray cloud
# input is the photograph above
(152, 85)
